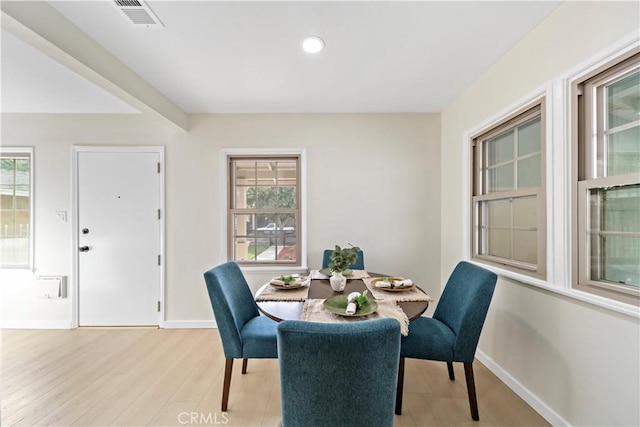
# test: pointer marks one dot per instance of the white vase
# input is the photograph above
(338, 281)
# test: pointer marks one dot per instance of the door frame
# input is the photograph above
(75, 151)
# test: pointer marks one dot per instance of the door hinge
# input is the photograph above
(158, 213)
(158, 167)
(159, 260)
(158, 306)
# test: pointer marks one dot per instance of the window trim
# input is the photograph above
(561, 197)
(225, 196)
(234, 210)
(587, 173)
(30, 152)
(505, 121)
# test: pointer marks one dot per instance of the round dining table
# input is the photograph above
(321, 289)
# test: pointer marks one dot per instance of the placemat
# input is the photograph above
(314, 311)
(413, 295)
(271, 293)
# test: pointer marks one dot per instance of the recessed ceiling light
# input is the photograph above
(312, 44)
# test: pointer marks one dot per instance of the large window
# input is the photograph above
(264, 210)
(608, 181)
(16, 225)
(508, 196)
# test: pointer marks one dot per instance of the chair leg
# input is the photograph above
(228, 367)
(452, 375)
(400, 387)
(471, 390)
(244, 365)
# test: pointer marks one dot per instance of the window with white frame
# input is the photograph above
(16, 207)
(263, 219)
(508, 192)
(607, 180)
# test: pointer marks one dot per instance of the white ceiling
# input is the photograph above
(245, 57)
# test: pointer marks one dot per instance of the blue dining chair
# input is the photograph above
(452, 334)
(338, 374)
(244, 333)
(326, 260)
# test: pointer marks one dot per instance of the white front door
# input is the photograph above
(118, 235)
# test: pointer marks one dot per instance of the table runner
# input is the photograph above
(413, 295)
(314, 311)
(357, 274)
(271, 293)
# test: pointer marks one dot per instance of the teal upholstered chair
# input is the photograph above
(338, 374)
(244, 333)
(452, 334)
(326, 260)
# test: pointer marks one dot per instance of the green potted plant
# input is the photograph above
(341, 259)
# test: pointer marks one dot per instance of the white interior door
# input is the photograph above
(119, 273)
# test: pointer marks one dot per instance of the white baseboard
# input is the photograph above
(35, 324)
(532, 400)
(66, 324)
(188, 324)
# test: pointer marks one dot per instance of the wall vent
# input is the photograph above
(51, 286)
(138, 13)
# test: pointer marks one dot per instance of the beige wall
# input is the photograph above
(373, 180)
(578, 362)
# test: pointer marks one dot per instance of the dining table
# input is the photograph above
(307, 302)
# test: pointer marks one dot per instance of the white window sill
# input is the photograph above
(596, 300)
(274, 269)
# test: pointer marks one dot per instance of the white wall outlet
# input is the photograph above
(61, 216)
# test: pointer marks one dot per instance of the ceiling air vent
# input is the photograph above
(138, 13)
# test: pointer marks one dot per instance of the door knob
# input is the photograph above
(83, 248)
(85, 231)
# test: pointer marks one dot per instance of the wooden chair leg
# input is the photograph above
(452, 375)
(471, 390)
(244, 366)
(226, 385)
(400, 387)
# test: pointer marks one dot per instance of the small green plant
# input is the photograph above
(287, 279)
(342, 258)
(361, 300)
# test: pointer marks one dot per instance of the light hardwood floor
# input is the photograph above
(137, 377)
